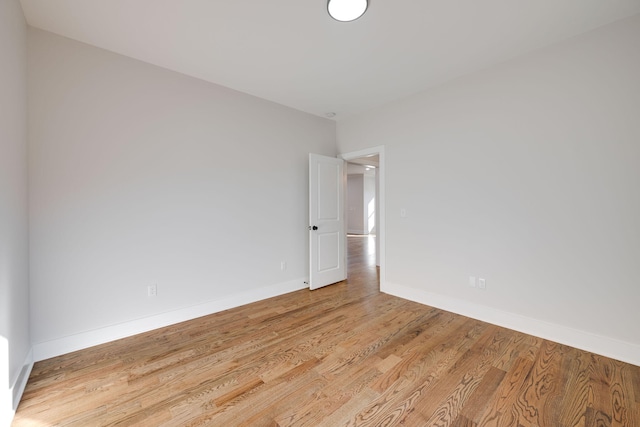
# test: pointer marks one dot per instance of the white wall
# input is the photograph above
(355, 207)
(378, 216)
(139, 176)
(369, 202)
(526, 174)
(361, 191)
(14, 287)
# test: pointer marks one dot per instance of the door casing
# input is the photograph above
(381, 232)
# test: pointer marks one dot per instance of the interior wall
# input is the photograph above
(378, 215)
(525, 174)
(143, 176)
(361, 201)
(369, 212)
(355, 208)
(14, 280)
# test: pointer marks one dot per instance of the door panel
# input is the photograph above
(328, 189)
(328, 258)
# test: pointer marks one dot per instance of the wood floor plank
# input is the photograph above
(343, 355)
(337, 393)
(540, 386)
(483, 394)
(398, 398)
(454, 390)
(449, 334)
(577, 368)
(500, 408)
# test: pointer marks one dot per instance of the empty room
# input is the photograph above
(179, 181)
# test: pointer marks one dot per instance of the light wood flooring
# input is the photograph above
(344, 355)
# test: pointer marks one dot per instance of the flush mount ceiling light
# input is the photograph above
(346, 10)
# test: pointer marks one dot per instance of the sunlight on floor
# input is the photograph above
(35, 423)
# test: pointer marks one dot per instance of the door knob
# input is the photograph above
(314, 228)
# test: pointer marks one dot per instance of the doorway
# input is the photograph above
(366, 233)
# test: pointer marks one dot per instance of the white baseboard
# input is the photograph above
(10, 398)
(20, 383)
(358, 232)
(605, 346)
(57, 347)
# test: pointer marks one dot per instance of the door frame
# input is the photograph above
(381, 233)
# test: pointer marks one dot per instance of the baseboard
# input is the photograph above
(64, 345)
(357, 232)
(10, 398)
(609, 347)
(20, 383)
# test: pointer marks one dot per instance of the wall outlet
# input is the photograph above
(482, 284)
(472, 281)
(283, 265)
(152, 290)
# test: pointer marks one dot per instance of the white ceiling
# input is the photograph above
(293, 53)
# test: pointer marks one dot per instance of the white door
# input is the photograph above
(326, 221)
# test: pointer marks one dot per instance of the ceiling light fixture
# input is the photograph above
(347, 10)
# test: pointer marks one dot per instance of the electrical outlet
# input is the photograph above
(283, 265)
(482, 284)
(472, 281)
(152, 290)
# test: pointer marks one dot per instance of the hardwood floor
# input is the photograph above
(344, 355)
